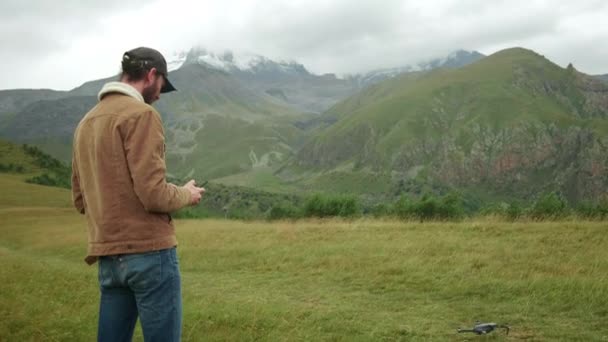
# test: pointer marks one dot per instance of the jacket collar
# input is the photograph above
(119, 87)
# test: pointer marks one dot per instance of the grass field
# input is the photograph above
(320, 280)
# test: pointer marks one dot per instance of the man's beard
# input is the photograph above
(149, 94)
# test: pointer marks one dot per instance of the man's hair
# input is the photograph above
(134, 70)
(138, 62)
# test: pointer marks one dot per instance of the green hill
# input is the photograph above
(15, 159)
(32, 162)
(511, 124)
(49, 124)
(30, 178)
(23, 171)
(215, 125)
(13, 100)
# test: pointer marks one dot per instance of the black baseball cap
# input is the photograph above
(149, 58)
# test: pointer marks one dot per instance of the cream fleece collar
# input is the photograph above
(119, 87)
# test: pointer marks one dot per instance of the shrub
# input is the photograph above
(593, 211)
(381, 210)
(450, 206)
(283, 211)
(12, 168)
(548, 206)
(514, 211)
(499, 208)
(404, 208)
(349, 206)
(50, 180)
(430, 208)
(427, 208)
(331, 206)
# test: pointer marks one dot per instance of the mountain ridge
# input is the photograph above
(471, 126)
(264, 92)
(511, 125)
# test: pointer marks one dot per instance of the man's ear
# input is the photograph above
(151, 76)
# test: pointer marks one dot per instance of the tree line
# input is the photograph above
(448, 207)
(235, 202)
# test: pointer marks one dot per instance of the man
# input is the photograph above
(118, 183)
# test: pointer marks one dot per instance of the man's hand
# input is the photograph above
(195, 192)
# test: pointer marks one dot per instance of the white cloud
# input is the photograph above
(45, 44)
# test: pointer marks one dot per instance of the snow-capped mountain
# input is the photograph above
(290, 83)
(248, 64)
(455, 59)
(176, 60)
(286, 82)
(232, 62)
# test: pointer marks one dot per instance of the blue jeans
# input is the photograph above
(145, 285)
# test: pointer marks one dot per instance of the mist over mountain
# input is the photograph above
(454, 60)
(291, 83)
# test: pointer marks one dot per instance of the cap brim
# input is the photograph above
(167, 87)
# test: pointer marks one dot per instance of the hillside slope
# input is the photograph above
(21, 167)
(512, 123)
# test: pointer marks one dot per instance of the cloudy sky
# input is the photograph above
(61, 44)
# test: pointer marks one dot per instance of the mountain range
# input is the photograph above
(269, 102)
(513, 123)
(509, 125)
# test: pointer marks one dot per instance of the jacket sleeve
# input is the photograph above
(77, 197)
(144, 144)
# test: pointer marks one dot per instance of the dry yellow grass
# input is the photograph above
(365, 280)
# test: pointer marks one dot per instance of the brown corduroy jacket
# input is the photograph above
(118, 177)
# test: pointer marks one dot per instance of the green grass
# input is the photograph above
(345, 182)
(228, 146)
(261, 178)
(19, 195)
(360, 280)
(335, 182)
